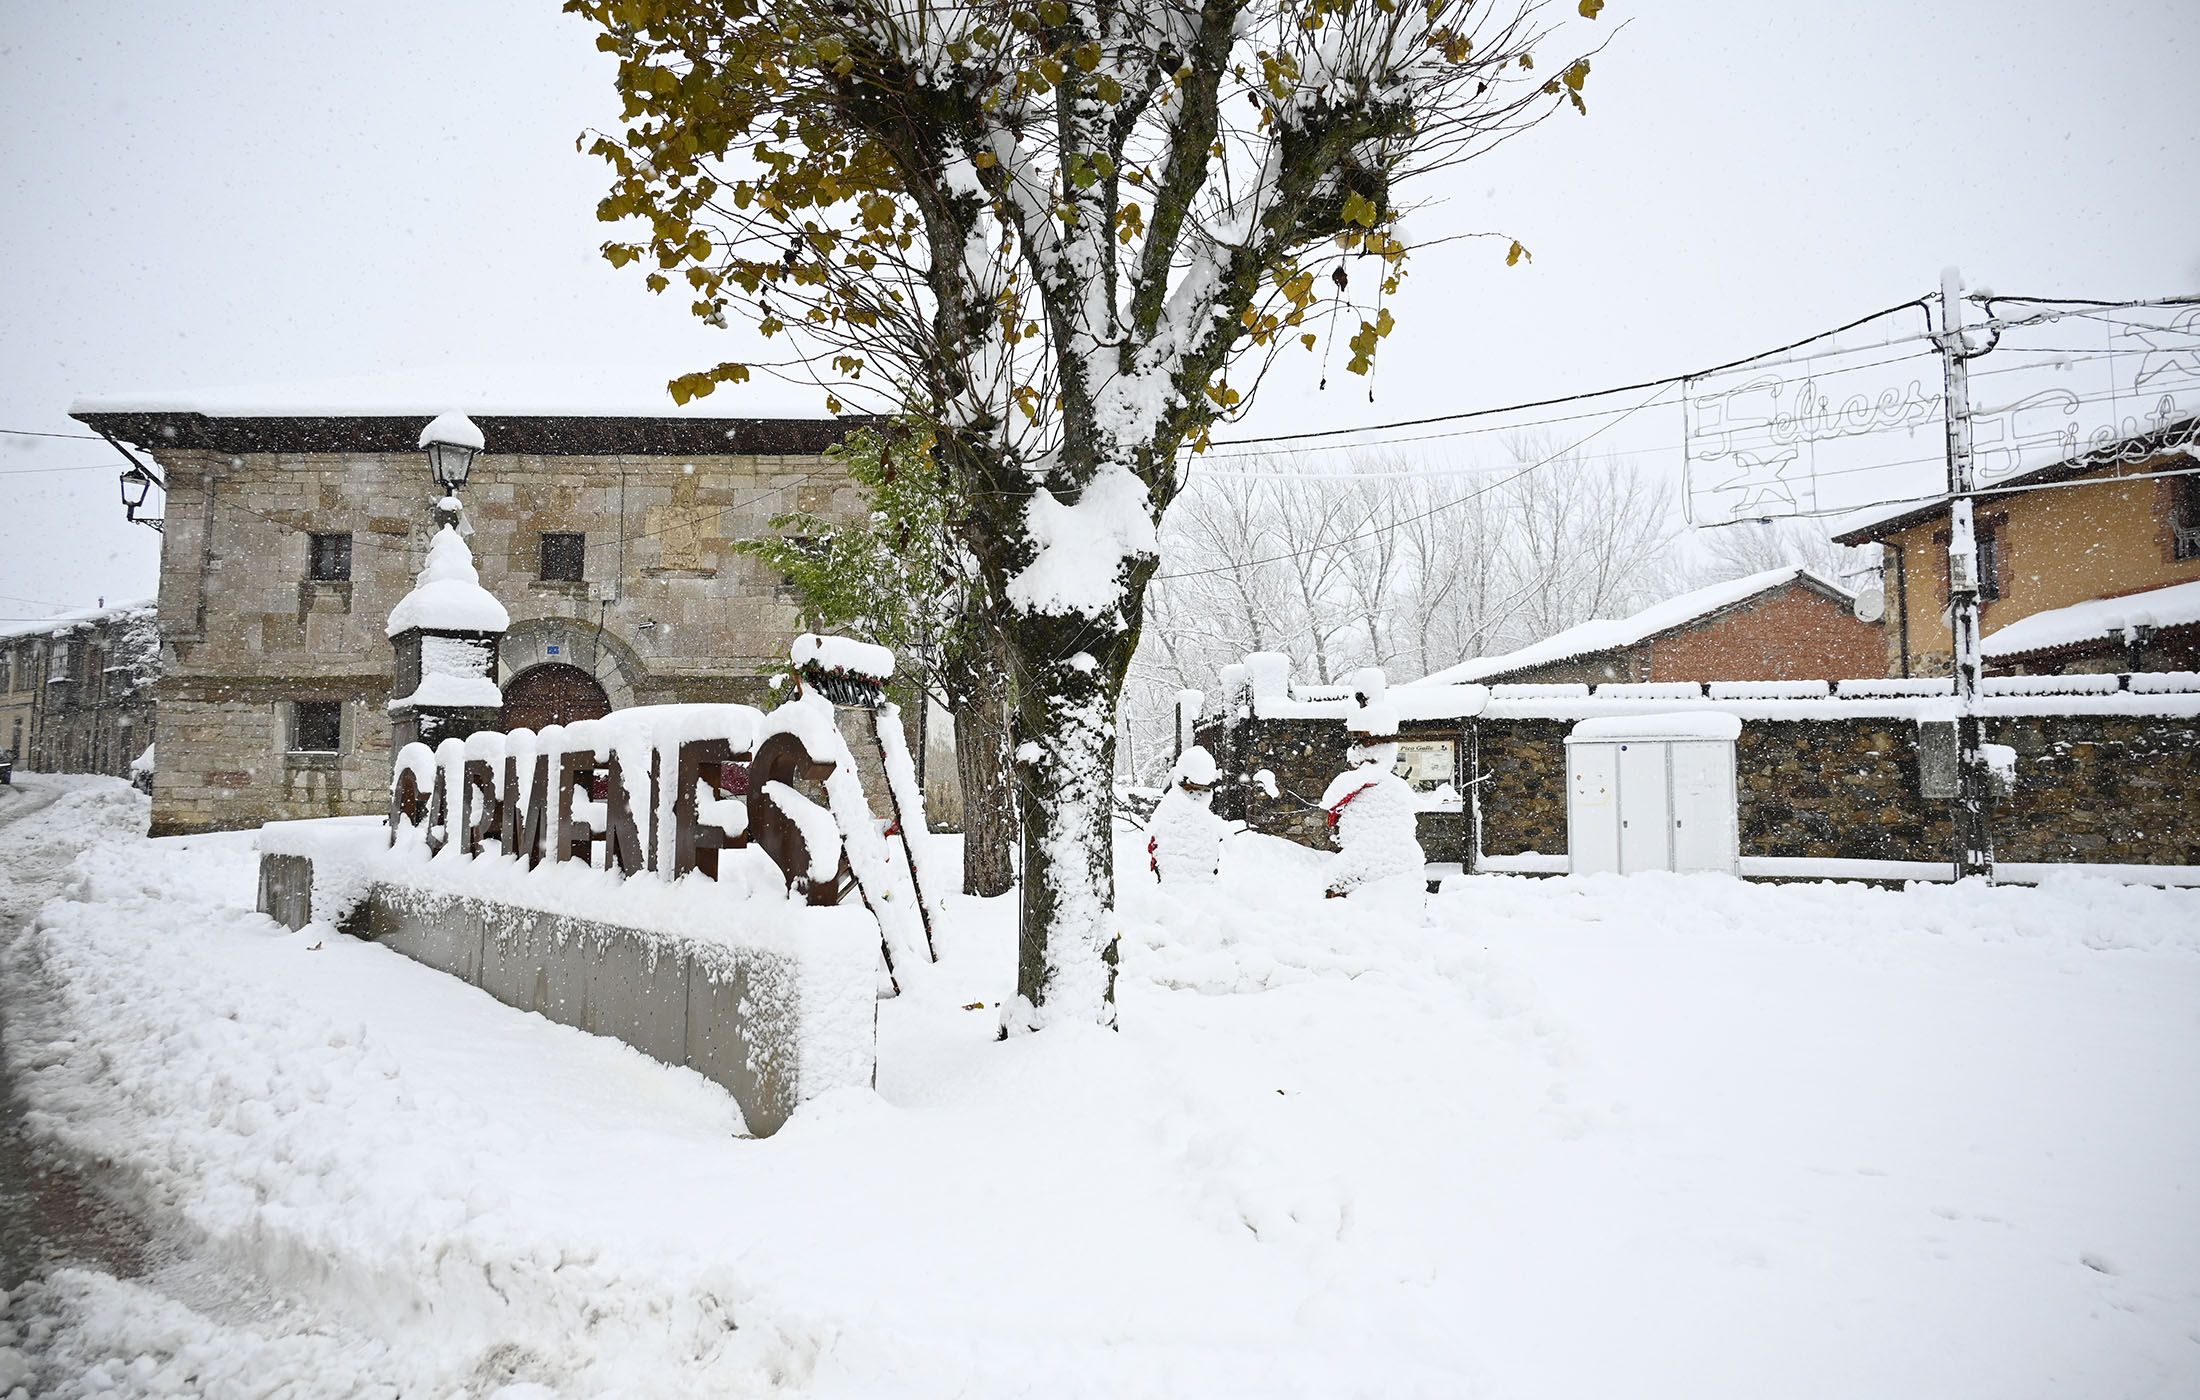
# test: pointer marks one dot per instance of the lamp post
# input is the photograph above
(446, 631)
(452, 442)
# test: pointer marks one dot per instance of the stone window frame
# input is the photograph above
(334, 566)
(546, 561)
(2181, 518)
(1993, 548)
(297, 733)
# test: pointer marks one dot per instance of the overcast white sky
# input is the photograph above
(216, 193)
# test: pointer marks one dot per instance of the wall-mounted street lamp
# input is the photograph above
(137, 484)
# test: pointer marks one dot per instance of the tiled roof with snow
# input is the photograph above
(1612, 634)
(71, 621)
(2096, 620)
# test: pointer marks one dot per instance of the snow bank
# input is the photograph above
(1337, 1148)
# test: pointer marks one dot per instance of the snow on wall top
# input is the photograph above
(2167, 694)
(449, 596)
(842, 654)
(1611, 634)
(2175, 606)
(1694, 724)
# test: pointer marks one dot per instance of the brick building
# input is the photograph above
(2102, 576)
(289, 535)
(1783, 624)
(76, 692)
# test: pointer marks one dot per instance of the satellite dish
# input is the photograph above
(1871, 603)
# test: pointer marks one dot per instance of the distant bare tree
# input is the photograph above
(1373, 564)
(1590, 537)
(1753, 547)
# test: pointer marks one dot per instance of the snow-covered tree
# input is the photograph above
(900, 578)
(1057, 230)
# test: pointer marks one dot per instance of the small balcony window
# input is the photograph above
(316, 726)
(564, 557)
(328, 558)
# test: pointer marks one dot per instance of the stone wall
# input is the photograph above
(2119, 790)
(666, 610)
(2106, 788)
(1304, 755)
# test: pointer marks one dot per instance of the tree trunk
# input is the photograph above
(981, 765)
(1065, 766)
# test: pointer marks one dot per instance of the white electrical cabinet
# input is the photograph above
(1652, 792)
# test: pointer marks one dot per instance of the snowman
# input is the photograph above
(1184, 838)
(1370, 807)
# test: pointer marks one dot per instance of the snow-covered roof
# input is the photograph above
(1612, 634)
(2098, 619)
(71, 621)
(560, 390)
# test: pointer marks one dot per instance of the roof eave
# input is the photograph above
(576, 435)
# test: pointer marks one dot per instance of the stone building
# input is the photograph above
(2097, 574)
(76, 692)
(1780, 625)
(288, 536)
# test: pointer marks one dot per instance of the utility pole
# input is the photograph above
(1974, 854)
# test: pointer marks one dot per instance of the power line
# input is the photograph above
(1381, 530)
(33, 432)
(1919, 302)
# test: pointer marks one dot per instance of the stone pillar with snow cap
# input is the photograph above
(445, 634)
(1370, 807)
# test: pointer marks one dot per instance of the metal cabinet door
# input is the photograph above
(1592, 808)
(1703, 807)
(1645, 808)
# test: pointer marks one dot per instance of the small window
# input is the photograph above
(2185, 518)
(7, 678)
(563, 557)
(316, 726)
(1989, 564)
(329, 558)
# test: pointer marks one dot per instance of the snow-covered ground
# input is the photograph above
(1645, 1137)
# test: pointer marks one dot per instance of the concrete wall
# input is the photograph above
(246, 634)
(732, 1015)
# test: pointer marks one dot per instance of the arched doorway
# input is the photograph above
(552, 693)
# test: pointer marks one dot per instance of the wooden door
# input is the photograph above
(552, 693)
